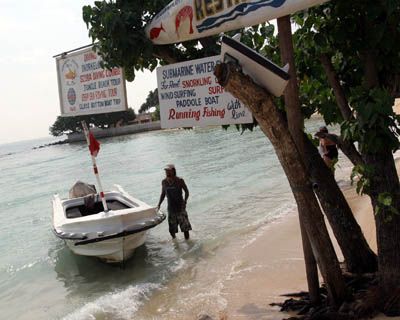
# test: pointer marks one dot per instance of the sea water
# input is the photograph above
(236, 186)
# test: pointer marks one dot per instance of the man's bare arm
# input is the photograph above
(185, 189)
(162, 196)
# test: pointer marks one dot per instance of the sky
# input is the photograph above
(31, 33)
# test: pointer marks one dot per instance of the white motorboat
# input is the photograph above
(111, 236)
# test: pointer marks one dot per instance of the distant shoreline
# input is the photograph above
(51, 144)
(117, 131)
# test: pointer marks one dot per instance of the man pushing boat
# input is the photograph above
(172, 187)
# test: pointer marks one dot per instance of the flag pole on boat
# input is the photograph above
(94, 147)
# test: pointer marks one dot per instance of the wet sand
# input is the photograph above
(275, 264)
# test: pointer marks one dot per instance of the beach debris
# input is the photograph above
(365, 302)
(295, 294)
(204, 316)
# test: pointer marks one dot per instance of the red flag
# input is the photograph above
(94, 145)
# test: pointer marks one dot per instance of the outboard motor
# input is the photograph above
(81, 189)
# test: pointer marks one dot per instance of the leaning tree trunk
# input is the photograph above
(384, 179)
(295, 122)
(356, 251)
(275, 128)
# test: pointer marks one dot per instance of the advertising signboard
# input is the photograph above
(190, 96)
(86, 88)
(183, 20)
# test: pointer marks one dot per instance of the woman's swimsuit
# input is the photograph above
(332, 152)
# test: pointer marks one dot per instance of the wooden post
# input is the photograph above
(296, 125)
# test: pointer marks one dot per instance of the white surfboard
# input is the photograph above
(263, 71)
(183, 20)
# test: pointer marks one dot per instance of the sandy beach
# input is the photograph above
(275, 265)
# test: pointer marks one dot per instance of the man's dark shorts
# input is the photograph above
(178, 218)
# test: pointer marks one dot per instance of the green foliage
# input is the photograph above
(314, 140)
(362, 39)
(156, 114)
(151, 101)
(262, 39)
(361, 174)
(315, 93)
(376, 124)
(66, 125)
(316, 96)
(117, 29)
(385, 207)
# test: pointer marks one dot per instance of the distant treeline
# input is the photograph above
(66, 125)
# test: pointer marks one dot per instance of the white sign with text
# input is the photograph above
(190, 96)
(183, 20)
(86, 88)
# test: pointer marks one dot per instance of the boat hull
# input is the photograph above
(114, 250)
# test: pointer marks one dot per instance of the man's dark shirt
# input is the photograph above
(173, 191)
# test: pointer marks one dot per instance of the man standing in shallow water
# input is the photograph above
(172, 187)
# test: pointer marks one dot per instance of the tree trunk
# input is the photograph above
(384, 179)
(356, 251)
(359, 257)
(291, 94)
(275, 128)
(311, 266)
(165, 53)
(296, 125)
(347, 147)
(337, 88)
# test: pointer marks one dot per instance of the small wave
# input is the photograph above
(178, 265)
(195, 300)
(276, 215)
(11, 269)
(6, 154)
(294, 259)
(119, 305)
(238, 269)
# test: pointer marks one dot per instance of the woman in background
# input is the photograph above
(327, 148)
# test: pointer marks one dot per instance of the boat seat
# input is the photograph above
(82, 211)
(73, 213)
(116, 205)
